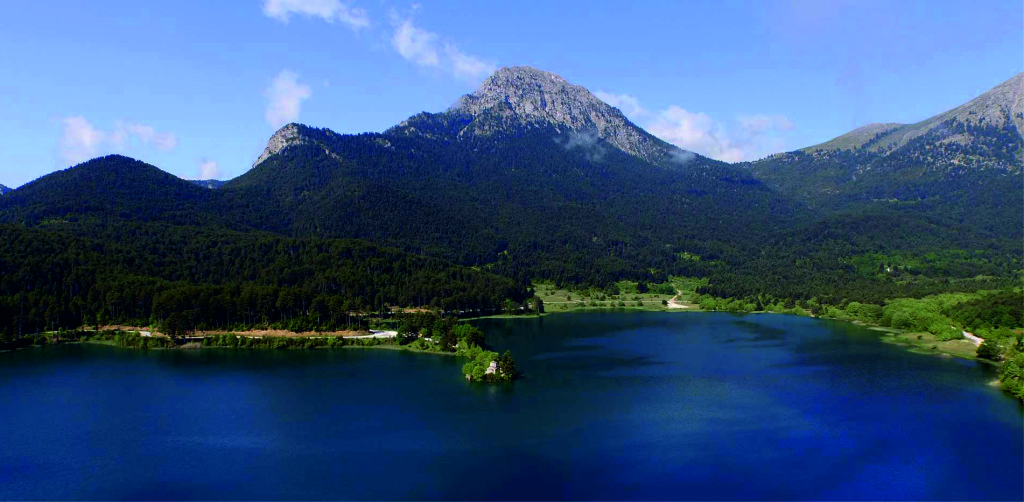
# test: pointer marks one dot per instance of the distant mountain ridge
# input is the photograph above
(1002, 107)
(211, 184)
(961, 166)
(4, 190)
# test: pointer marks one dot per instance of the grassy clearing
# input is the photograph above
(624, 295)
(927, 343)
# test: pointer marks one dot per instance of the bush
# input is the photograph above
(990, 350)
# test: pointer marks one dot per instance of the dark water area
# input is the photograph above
(612, 406)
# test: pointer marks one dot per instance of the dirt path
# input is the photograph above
(377, 334)
(977, 341)
(673, 304)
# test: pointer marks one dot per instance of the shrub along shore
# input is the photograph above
(419, 332)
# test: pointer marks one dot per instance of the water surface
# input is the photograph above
(613, 406)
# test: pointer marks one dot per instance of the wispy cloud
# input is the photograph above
(416, 45)
(428, 49)
(328, 10)
(284, 98)
(208, 170)
(765, 123)
(81, 141)
(587, 140)
(467, 67)
(147, 135)
(628, 104)
(746, 137)
(696, 132)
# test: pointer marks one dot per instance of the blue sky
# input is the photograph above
(196, 88)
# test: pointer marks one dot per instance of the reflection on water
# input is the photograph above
(613, 406)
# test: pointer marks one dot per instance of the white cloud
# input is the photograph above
(285, 96)
(416, 45)
(747, 137)
(80, 141)
(428, 49)
(765, 123)
(208, 170)
(629, 105)
(467, 67)
(696, 132)
(126, 132)
(328, 10)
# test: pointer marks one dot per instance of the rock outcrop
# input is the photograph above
(285, 136)
(525, 96)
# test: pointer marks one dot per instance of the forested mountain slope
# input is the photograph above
(53, 276)
(528, 178)
(527, 199)
(529, 175)
(961, 167)
(110, 189)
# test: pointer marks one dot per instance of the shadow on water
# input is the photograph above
(761, 332)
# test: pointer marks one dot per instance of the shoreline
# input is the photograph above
(925, 345)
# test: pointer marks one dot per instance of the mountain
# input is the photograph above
(861, 137)
(4, 190)
(285, 136)
(211, 184)
(526, 97)
(999, 109)
(528, 178)
(528, 175)
(109, 188)
(962, 166)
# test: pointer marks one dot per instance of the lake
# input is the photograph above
(612, 405)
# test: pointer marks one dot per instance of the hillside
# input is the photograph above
(110, 188)
(529, 178)
(960, 167)
(138, 273)
(530, 175)
(999, 109)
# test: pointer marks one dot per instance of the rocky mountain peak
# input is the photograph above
(285, 136)
(521, 95)
(4, 190)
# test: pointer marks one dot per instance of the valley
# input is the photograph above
(529, 189)
(356, 250)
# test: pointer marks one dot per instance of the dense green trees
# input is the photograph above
(465, 224)
(1011, 375)
(186, 279)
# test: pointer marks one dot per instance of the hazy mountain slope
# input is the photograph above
(211, 184)
(4, 190)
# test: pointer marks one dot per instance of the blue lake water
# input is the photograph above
(613, 406)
